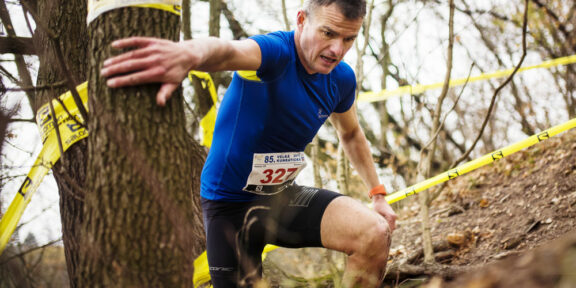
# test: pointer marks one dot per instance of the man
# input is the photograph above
(287, 85)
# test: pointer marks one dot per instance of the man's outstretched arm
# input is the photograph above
(162, 61)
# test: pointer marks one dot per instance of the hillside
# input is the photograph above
(514, 205)
(496, 213)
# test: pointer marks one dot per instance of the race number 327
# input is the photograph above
(277, 176)
(274, 172)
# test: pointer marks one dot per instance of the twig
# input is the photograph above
(71, 83)
(57, 129)
(29, 251)
(493, 101)
(40, 87)
(22, 120)
(19, 59)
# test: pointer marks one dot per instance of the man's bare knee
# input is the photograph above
(374, 242)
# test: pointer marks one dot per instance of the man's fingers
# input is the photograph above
(141, 43)
(392, 224)
(152, 75)
(165, 93)
(130, 65)
(134, 54)
(133, 42)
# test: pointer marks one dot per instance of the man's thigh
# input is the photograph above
(344, 222)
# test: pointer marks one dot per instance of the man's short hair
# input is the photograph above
(351, 9)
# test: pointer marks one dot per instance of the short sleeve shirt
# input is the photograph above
(278, 108)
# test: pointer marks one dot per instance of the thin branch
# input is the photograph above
(555, 17)
(57, 129)
(285, 15)
(186, 19)
(32, 120)
(71, 83)
(10, 76)
(20, 62)
(29, 251)
(40, 87)
(17, 45)
(437, 126)
(493, 101)
(235, 27)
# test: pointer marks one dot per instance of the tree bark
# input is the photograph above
(142, 222)
(69, 19)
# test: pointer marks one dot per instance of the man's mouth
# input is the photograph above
(328, 59)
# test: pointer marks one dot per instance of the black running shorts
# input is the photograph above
(236, 232)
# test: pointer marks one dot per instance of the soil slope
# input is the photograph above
(500, 211)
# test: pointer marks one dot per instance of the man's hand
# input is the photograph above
(152, 61)
(383, 208)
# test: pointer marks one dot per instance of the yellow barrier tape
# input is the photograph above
(201, 273)
(98, 7)
(71, 132)
(482, 161)
(417, 89)
(209, 120)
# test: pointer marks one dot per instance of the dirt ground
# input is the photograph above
(507, 208)
(491, 219)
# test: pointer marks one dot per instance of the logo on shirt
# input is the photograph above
(322, 114)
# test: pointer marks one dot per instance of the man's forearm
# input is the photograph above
(358, 151)
(213, 54)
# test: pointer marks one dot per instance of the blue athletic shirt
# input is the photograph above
(279, 109)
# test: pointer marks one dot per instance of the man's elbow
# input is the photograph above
(352, 135)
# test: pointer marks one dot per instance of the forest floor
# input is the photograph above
(509, 224)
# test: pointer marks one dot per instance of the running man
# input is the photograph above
(286, 85)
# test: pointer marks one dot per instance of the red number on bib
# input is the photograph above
(280, 173)
(268, 173)
(291, 171)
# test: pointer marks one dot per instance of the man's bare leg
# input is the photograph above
(351, 227)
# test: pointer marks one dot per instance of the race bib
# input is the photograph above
(274, 172)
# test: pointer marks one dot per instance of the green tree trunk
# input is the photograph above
(142, 222)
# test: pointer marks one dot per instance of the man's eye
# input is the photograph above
(327, 33)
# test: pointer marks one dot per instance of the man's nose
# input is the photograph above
(337, 47)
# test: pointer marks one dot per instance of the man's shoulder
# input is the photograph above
(343, 71)
(277, 35)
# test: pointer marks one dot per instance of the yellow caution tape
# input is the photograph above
(482, 161)
(71, 130)
(98, 7)
(201, 273)
(209, 120)
(417, 89)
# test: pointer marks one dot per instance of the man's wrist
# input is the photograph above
(378, 191)
(378, 197)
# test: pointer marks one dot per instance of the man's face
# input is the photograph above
(323, 37)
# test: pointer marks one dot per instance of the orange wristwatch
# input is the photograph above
(378, 190)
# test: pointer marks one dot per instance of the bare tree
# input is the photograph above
(142, 222)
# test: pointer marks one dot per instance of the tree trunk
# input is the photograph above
(142, 222)
(342, 171)
(67, 19)
(315, 155)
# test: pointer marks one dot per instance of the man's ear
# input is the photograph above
(300, 18)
